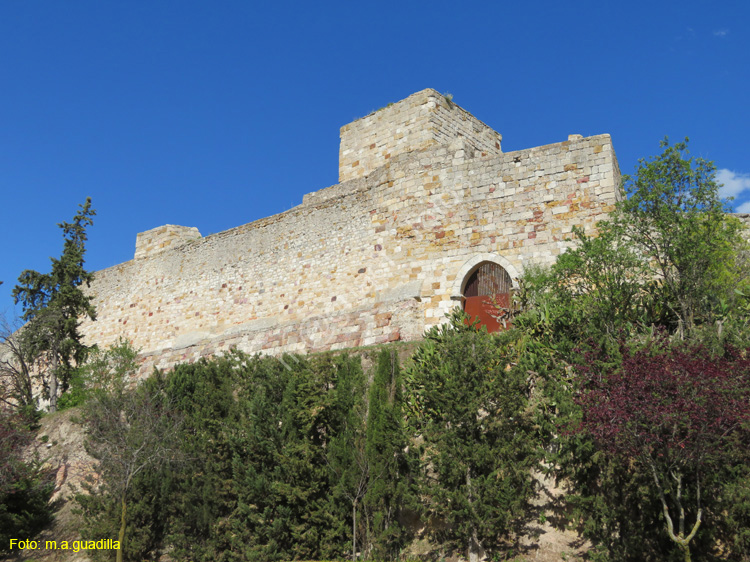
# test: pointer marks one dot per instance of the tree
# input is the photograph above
(209, 519)
(25, 487)
(673, 216)
(597, 287)
(270, 458)
(302, 483)
(389, 488)
(16, 370)
(346, 454)
(129, 431)
(669, 256)
(53, 304)
(668, 259)
(678, 413)
(469, 405)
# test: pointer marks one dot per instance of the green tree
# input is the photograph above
(302, 483)
(129, 431)
(668, 259)
(24, 487)
(669, 256)
(53, 304)
(597, 287)
(346, 454)
(269, 457)
(470, 406)
(674, 217)
(211, 516)
(389, 488)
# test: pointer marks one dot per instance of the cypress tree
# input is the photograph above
(346, 454)
(469, 405)
(385, 452)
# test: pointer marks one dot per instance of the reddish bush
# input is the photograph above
(677, 411)
(677, 405)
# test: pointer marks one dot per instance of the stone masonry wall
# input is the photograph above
(422, 120)
(743, 218)
(374, 259)
(163, 238)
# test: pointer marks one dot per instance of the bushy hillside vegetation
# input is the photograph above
(303, 458)
(25, 487)
(644, 331)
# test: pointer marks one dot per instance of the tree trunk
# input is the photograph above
(53, 385)
(121, 535)
(474, 547)
(682, 541)
(354, 530)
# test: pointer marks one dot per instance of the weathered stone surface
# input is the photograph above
(422, 120)
(410, 290)
(425, 195)
(163, 238)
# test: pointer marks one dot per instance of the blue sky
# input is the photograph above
(214, 114)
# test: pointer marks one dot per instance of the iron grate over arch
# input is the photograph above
(489, 279)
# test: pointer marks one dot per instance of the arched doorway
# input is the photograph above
(486, 288)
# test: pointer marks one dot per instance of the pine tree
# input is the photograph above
(53, 304)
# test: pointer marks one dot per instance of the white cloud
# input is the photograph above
(744, 208)
(734, 183)
(721, 33)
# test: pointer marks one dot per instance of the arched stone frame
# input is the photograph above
(471, 265)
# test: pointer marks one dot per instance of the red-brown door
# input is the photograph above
(486, 292)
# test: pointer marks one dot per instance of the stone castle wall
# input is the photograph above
(379, 257)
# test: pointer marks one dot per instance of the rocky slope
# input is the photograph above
(59, 443)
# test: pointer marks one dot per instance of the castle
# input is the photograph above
(428, 213)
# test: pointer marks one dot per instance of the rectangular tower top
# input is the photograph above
(423, 119)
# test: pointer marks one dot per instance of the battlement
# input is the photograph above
(420, 121)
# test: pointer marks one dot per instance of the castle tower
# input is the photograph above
(422, 120)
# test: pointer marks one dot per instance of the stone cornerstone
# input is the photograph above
(425, 197)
